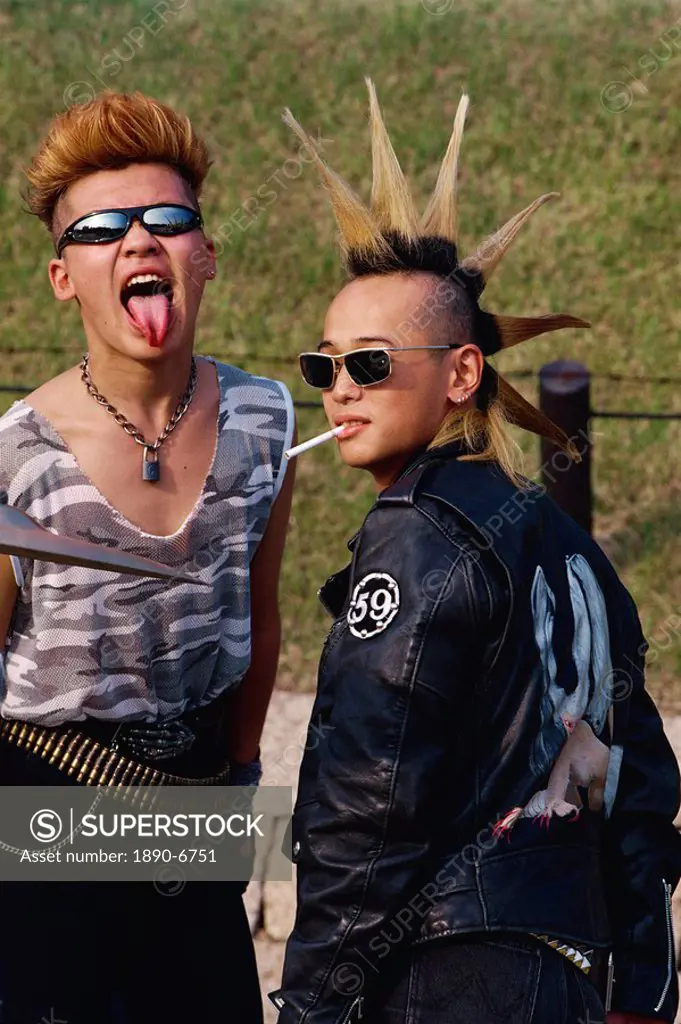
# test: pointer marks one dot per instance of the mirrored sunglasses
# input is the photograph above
(102, 226)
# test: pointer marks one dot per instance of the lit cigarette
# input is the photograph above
(313, 442)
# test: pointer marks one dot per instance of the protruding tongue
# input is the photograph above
(151, 313)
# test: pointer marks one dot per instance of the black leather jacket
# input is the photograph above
(485, 665)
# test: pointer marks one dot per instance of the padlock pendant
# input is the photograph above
(151, 470)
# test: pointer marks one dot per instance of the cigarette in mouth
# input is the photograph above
(291, 453)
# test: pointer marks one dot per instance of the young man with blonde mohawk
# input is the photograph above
(490, 814)
(146, 448)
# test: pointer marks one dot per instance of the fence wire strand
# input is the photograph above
(523, 374)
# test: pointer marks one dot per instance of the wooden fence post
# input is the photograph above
(564, 396)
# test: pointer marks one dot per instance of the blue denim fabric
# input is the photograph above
(507, 979)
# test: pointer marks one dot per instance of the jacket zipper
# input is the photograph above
(670, 943)
(609, 983)
(358, 1005)
(330, 643)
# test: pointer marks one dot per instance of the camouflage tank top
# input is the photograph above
(101, 644)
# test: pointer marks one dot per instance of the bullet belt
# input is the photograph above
(91, 755)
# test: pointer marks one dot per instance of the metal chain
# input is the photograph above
(129, 427)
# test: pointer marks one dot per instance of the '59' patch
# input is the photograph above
(375, 603)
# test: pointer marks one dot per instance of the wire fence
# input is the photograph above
(526, 374)
(289, 361)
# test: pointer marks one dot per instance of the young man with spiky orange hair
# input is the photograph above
(146, 448)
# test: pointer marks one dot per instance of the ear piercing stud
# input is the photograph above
(462, 398)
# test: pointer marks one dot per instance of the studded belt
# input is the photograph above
(92, 755)
(581, 957)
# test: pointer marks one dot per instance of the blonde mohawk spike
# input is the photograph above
(490, 253)
(391, 202)
(387, 237)
(359, 230)
(442, 215)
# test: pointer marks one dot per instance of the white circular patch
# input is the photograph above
(375, 603)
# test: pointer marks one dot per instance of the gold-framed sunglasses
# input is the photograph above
(365, 366)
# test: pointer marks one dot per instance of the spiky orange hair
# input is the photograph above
(110, 132)
(388, 236)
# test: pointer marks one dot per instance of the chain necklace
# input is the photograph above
(151, 469)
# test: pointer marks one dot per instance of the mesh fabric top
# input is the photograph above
(95, 643)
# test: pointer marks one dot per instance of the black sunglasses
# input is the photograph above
(104, 226)
(365, 366)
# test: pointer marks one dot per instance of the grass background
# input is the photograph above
(540, 120)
